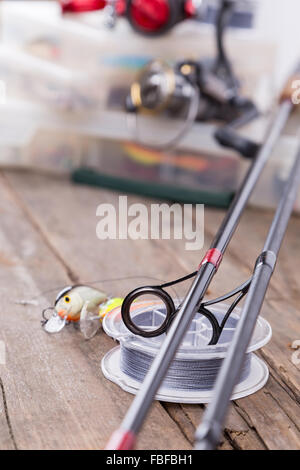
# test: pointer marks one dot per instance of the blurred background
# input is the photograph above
(67, 69)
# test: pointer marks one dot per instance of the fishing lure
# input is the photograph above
(83, 305)
(79, 304)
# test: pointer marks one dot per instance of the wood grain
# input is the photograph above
(57, 230)
(56, 394)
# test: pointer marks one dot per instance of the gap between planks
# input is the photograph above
(179, 442)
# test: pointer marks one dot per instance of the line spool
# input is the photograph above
(192, 374)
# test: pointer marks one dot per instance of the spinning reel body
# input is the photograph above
(163, 88)
(190, 90)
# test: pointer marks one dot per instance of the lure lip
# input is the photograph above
(64, 314)
(47, 321)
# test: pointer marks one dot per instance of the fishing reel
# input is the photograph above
(183, 94)
(148, 17)
(176, 96)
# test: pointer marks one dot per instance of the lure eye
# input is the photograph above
(67, 299)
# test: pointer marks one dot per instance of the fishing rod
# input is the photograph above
(193, 90)
(124, 438)
(208, 433)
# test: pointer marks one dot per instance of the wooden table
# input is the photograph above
(53, 393)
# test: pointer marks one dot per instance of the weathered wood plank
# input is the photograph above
(282, 305)
(7, 440)
(155, 261)
(248, 243)
(279, 311)
(285, 328)
(238, 433)
(266, 414)
(56, 394)
(167, 260)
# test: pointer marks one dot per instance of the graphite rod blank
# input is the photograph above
(208, 433)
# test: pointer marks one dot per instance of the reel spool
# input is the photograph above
(193, 371)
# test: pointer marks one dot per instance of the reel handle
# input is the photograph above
(227, 137)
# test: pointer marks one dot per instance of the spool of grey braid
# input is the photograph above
(183, 374)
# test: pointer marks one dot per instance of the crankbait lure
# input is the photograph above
(82, 305)
(69, 304)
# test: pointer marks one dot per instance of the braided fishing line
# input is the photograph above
(187, 372)
(193, 371)
(183, 374)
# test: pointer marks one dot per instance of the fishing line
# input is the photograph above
(115, 279)
(75, 303)
(170, 144)
(193, 371)
(188, 373)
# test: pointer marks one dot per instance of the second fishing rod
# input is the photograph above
(124, 438)
(209, 432)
